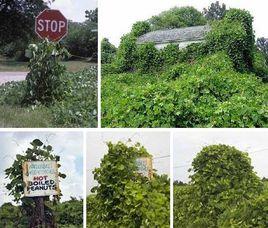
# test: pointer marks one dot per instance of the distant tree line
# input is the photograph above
(17, 19)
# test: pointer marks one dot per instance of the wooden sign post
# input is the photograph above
(40, 179)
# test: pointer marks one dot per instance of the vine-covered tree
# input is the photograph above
(123, 197)
(222, 178)
(215, 11)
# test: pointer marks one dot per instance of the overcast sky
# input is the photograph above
(157, 144)
(187, 143)
(117, 16)
(69, 145)
(74, 9)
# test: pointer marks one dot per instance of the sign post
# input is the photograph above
(40, 179)
(51, 24)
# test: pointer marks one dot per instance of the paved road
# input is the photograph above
(12, 76)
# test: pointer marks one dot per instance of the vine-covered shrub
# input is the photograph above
(246, 20)
(193, 52)
(170, 54)
(140, 28)
(78, 109)
(234, 35)
(44, 81)
(230, 37)
(222, 179)
(260, 66)
(148, 58)
(250, 213)
(12, 93)
(127, 199)
(126, 54)
(209, 93)
(108, 51)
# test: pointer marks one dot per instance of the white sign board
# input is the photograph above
(40, 178)
(145, 167)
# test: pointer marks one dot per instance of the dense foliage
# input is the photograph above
(140, 28)
(68, 214)
(17, 25)
(108, 51)
(223, 191)
(44, 82)
(177, 17)
(126, 53)
(215, 83)
(127, 199)
(78, 106)
(262, 45)
(82, 39)
(209, 93)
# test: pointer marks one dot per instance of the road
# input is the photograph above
(12, 76)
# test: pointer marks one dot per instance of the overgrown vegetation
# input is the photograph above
(69, 98)
(220, 82)
(68, 214)
(128, 199)
(224, 191)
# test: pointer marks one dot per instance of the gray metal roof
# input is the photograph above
(175, 35)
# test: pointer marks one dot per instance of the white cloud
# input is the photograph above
(74, 9)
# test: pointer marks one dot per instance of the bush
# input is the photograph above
(44, 81)
(108, 51)
(79, 106)
(81, 40)
(170, 54)
(140, 28)
(260, 66)
(251, 213)
(128, 199)
(126, 53)
(207, 94)
(245, 18)
(193, 52)
(230, 37)
(148, 58)
(12, 93)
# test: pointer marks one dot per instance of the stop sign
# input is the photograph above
(51, 24)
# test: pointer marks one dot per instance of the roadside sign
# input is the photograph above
(145, 166)
(40, 178)
(51, 24)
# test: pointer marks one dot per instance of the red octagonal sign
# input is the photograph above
(51, 24)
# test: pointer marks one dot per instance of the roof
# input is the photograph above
(194, 33)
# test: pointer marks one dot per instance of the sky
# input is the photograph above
(187, 143)
(74, 9)
(157, 144)
(116, 17)
(68, 145)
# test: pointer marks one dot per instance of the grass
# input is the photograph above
(11, 65)
(15, 116)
